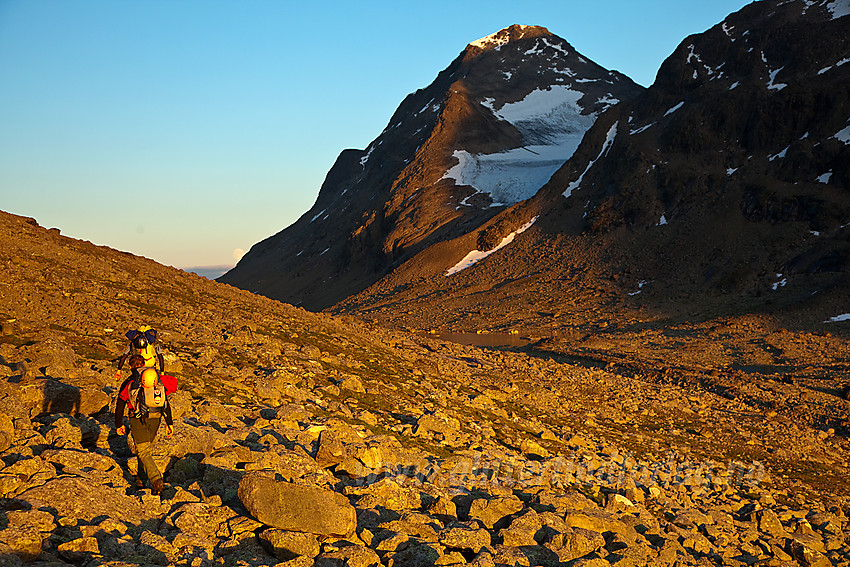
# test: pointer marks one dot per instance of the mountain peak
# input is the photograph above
(507, 35)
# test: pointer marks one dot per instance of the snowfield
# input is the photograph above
(552, 125)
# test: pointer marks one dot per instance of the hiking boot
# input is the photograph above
(158, 487)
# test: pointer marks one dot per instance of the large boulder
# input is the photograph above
(297, 508)
(77, 498)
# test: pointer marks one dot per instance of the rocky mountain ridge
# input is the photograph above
(720, 192)
(488, 132)
(306, 439)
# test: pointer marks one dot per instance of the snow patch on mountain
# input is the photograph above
(838, 318)
(537, 49)
(609, 139)
(477, 255)
(552, 125)
(674, 109)
(780, 155)
(839, 64)
(843, 135)
(772, 84)
(839, 8)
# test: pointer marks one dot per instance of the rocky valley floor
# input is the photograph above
(311, 439)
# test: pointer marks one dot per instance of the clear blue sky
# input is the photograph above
(187, 130)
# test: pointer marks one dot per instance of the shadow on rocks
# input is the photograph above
(60, 398)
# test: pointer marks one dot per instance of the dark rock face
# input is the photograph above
(453, 155)
(737, 156)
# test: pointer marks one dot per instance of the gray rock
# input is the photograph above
(297, 508)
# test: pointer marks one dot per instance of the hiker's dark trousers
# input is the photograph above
(144, 434)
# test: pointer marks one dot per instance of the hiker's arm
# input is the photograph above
(169, 422)
(166, 413)
(119, 415)
(120, 404)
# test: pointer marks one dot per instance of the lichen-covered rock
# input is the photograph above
(807, 555)
(575, 542)
(297, 508)
(39, 520)
(156, 548)
(599, 521)
(25, 542)
(522, 530)
(79, 549)
(533, 447)
(691, 518)
(201, 518)
(286, 545)
(80, 499)
(467, 536)
(571, 500)
(388, 494)
(417, 554)
(348, 556)
(331, 449)
(769, 523)
(492, 511)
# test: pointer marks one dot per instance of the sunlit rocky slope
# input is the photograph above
(306, 439)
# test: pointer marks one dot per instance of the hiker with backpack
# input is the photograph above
(145, 394)
(143, 343)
